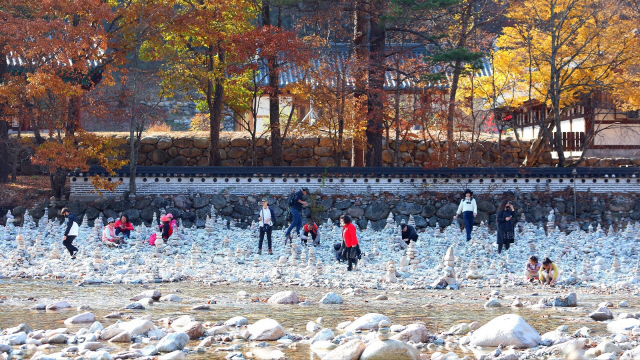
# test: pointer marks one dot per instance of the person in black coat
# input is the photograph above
(408, 233)
(506, 218)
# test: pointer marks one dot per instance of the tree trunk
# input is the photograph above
(5, 168)
(4, 130)
(376, 94)
(361, 57)
(338, 152)
(214, 97)
(58, 181)
(274, 95)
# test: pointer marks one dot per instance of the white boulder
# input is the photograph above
(349, 351)
(266, 330)
(508, 330)
(81, 319)
(367, 322)
(284, 297)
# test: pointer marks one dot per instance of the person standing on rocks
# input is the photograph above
(506, 225)
(469, 211)
(266, 218)
(408, 233)
(351, 243)
(295, 206)
(71, 232)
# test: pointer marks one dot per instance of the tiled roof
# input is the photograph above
(340, 53)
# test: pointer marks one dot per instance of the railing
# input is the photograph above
(572, 141)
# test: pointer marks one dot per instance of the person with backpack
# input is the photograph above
(70, 232)
(266, 217)
(295, 206)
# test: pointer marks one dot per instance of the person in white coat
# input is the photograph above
(469, 211)
(266, 218)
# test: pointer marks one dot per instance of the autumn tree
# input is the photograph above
(571, 48)
(197, 45)
(58, 48)
(136, 23)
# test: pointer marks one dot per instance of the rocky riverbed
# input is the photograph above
(207, 294)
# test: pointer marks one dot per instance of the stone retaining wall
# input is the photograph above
(313, 151)
(428, 209)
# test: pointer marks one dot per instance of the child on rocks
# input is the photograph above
(548, 273)
(532, 268)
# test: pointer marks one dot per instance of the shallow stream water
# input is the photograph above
(439, 310)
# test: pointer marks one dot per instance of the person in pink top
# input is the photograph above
(109, 233)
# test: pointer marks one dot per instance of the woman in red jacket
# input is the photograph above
(123, 226)
(350, 241)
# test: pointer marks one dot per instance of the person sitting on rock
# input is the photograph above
(548, 273)
(408, 233)
(532, 268)
(109, 234)
(310, 229)
(124, 226)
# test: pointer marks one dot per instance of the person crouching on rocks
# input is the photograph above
(408, 233)
(548, 273)
(124, 226)
(351, 243)
(532, 268)
(310, 229)
(469, 211)
(266, 218)
(109, 234)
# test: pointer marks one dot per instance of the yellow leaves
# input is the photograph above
(566, 48)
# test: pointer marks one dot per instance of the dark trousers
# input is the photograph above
(468, 223)
(125, 233)
(296, 221)
(313, 236)
(265, 229)
(351, 263)
(506, 247)
(68, 244)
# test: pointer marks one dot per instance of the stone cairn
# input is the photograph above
(473, 273)
(391, 272)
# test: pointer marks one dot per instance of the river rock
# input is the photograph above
(81, 319)
(174, 355)
(508, 330)
(633, 354)
(89, 346)
(59, 305)
(492, 303)
(237, 321)
(97, 355)
(570, 300)
(389, 349)
(416, 333)
(14, 339)
(367, 322)
(137, 326)
(601, 314)
(58, 339)
(265, 330)
(172, 342)
(153, 294)
(195, 330)
(621, 326)
(123, 337)
(312, 327)
(352, 350)
(171, 298)
(331, 298)
(284, 297)
(323, 335)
